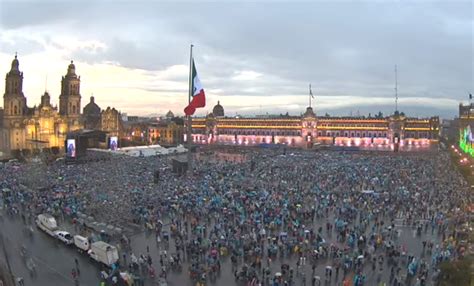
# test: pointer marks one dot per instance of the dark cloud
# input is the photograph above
(342, 48)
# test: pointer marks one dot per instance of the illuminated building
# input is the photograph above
(466, 122)
(307, 129)
(166, 131)
(44, 126)
(40, 126)
(111, 122)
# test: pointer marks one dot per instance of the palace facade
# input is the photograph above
(45, 126)
(308, 129)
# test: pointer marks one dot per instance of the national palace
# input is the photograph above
(309, 129)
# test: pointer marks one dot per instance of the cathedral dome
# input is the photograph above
(169, 114)
(218, 110)
(91, 108)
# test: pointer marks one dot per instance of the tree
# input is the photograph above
(456, 272)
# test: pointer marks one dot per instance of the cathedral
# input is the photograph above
(45, 126)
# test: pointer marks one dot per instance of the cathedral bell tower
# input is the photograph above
(70, 98)
(14, 108)
(14, 101)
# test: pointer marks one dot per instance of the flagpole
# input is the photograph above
(470, 106)
(309, 95)
(190, 94)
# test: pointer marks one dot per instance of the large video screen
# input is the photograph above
(468, 134)
(113, 144)
(71, 148)
(466, 140)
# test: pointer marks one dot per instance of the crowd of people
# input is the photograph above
(263, 216)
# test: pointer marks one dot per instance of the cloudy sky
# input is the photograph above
(255, 57)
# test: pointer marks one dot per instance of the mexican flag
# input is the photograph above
(198, 98)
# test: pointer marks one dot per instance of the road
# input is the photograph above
(55, 261)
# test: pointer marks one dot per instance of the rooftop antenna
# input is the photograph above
(46, 83)
(396, 89)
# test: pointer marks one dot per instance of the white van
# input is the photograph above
(82, 243)
(64, 236)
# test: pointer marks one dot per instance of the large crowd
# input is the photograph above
(274, 217)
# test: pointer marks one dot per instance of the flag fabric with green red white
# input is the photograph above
(198, 98)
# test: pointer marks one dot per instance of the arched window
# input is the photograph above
(74, 109)
(15, 110)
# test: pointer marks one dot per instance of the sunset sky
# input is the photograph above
(255, 57)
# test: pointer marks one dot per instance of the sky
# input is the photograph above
(255, 57)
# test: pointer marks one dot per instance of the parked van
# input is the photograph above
(82, 243)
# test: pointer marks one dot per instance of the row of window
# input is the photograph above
(260, 132)
(334, 125)
(354, 134)
(267, 124)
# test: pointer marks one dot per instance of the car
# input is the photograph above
(64, 236)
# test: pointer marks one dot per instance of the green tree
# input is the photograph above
(458, 272)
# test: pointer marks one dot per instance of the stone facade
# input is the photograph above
(308, 129)
(44, 126)
(111, 122)
(40, 126)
